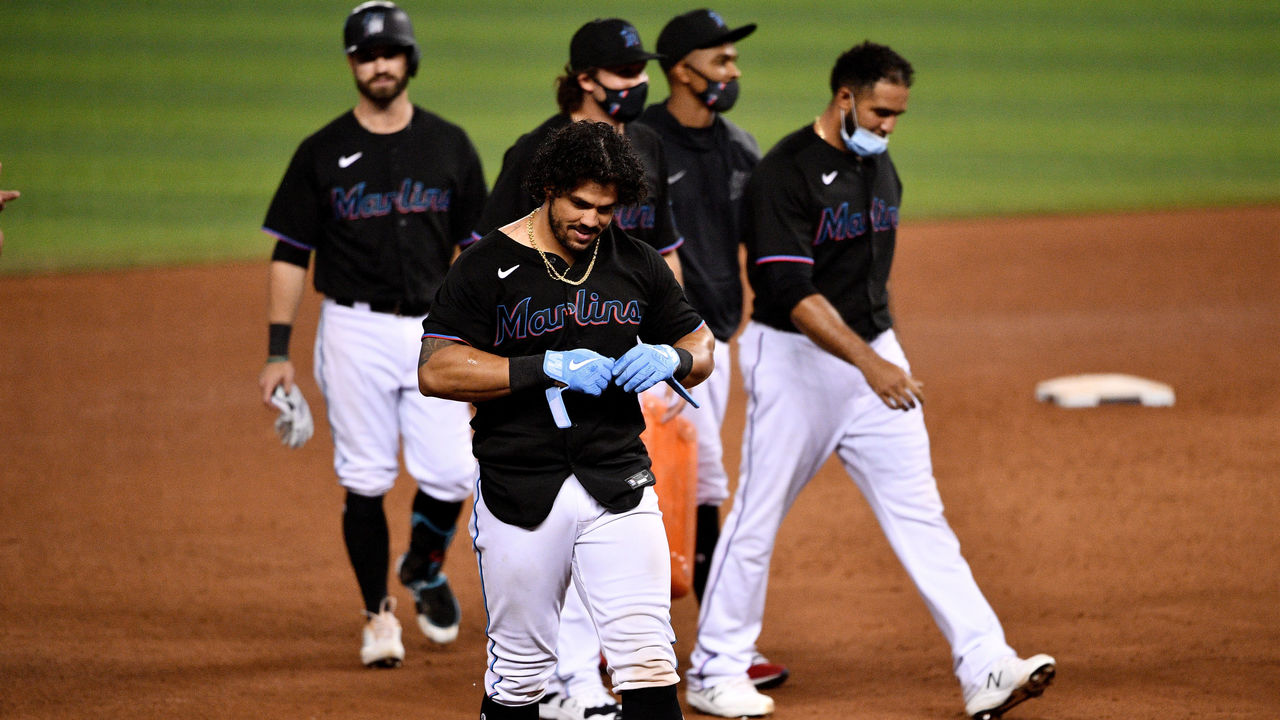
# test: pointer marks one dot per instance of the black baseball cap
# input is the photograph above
(695, 30)
(606, 43)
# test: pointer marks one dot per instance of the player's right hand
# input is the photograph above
(275, 374)
(580, 369)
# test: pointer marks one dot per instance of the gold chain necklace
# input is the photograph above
(547, 261)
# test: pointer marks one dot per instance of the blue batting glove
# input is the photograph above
(644, 366)
(580, 369)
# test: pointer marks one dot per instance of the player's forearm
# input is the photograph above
(285, 285)
(819, 320)
(454, 371)
(701, 345)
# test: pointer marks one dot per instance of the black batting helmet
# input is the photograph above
(381, 24)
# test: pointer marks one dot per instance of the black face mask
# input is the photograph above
(625, 105)
(719, 96)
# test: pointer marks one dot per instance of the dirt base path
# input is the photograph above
(162, 556)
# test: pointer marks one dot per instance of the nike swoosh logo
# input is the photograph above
(575, 364)
(346, 160)
(504, 273)
(828, 178)
(673, 179)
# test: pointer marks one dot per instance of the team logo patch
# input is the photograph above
(374, 23)
(715, 17)
(630, 37)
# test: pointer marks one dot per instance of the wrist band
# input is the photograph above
(525, 373)
(278, 340)
(686, 364)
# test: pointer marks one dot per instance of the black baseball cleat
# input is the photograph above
(438, 611)
(1009, 682)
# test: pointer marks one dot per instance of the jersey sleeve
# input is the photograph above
(666, 235)
(780, 246)
(669, 316)
(293, 217)
(458, 311)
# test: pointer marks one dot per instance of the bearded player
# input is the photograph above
(381, 196)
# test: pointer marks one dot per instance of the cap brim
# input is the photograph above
(732, 36)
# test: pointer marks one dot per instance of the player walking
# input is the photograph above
(604, 81)
(381, 195)
(824, 373)
(709, 160)
(537, 325)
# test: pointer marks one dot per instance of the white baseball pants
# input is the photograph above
(366, 364)
(804, 404)
(621, 567)
(577, 671)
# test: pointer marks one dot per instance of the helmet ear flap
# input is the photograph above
(415, 56)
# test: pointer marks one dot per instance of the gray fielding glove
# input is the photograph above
(294, 426)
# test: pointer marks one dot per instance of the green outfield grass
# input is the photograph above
(143, 132)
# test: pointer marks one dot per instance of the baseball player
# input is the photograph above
(824, 373)
(5, 197)
(604, 81)
(381, 195)
(550, 325)
(709, 160)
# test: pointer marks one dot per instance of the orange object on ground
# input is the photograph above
(673, 448)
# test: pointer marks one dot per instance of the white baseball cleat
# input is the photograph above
(1009, 681)
(382, 647)
(736, 698)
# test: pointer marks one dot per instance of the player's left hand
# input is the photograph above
(894, 386)
(644, 366)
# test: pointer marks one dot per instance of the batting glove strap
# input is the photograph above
(580, 369)
(644, 366)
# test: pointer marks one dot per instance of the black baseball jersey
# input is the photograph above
(649, 221)
(381, 212)
(707, 174)
(820, 220)
(498, 297)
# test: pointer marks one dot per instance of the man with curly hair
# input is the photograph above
(537, 325)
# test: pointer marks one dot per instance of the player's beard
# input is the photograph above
(384, 94)
(561, 233)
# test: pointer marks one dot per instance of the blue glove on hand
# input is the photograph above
(644, 366)
(580, 369)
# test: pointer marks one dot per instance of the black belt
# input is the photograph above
(391, 307)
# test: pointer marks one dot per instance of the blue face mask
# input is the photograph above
(863, 142)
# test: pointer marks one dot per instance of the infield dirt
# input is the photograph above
(161, 555)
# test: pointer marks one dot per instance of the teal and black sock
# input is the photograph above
(706, 536)
(364, 528)
(651, 703)
(433, 524)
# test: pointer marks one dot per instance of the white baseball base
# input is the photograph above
(1079, 391)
